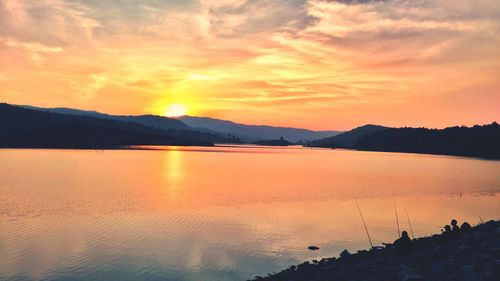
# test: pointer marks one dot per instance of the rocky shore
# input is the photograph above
(471, 255)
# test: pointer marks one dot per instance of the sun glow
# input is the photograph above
(176, 110)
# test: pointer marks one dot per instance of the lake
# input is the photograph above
(220, 213)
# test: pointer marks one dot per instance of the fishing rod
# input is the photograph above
(363, 219)
(397, 219)
(409, 223)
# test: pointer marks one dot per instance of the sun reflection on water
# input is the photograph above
(205, 214)
(174, 172)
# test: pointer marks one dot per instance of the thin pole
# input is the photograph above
(397, 219)
(363, 219)
(409, 223)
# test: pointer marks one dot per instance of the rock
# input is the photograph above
(345, 254)
(410, 277)
(313, 248)
(470, 257)
(409, 274)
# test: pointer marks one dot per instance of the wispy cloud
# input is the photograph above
(341, 61)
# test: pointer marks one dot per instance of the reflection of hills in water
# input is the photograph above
(256, 238)
(193, 176)
(189, 213)
(221, 148)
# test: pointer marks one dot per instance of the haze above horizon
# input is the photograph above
(298, 63)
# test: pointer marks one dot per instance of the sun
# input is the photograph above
(176, 110)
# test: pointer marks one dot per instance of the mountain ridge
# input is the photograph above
(145, 119)
(347, 139)
(254, 133)
(24, 127)
(476, 141)
(225, 128)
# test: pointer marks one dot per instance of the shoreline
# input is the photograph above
(470, 255)
(493, 158)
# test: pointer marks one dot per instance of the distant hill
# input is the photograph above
(154, 121)
(232, 132)
(22, 127)
(252, 133)
(347, 139)
(478, 141)
(278, 142)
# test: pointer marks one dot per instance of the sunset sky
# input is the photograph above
(304, 63)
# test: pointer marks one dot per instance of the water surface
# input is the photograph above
(220, 213)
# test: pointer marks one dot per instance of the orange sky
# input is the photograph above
(304, 63)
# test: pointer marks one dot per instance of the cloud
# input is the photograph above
(341, 20)
(240, 18)
(32, 47)
(388, 26)
(34, 50)
(50, 22)
(282, 53)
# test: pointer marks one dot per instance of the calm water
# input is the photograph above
(222, 213)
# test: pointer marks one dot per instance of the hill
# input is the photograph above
(252, 133)
(154, 121)
(347, 139)
(477, 141)
(22, 127)
(231, 131)
(279, 142)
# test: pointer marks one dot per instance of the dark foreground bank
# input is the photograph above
(472, 255)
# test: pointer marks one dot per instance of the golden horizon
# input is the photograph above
(310, 64)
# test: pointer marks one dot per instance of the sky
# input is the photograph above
(304, 63)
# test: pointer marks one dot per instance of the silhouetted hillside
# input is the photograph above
(347, 139)
(478, 141)
(227, 131)
(252, 133)
(21, 127)
(279, 142)
(154, 121)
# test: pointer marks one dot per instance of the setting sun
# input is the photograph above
(176, 110)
